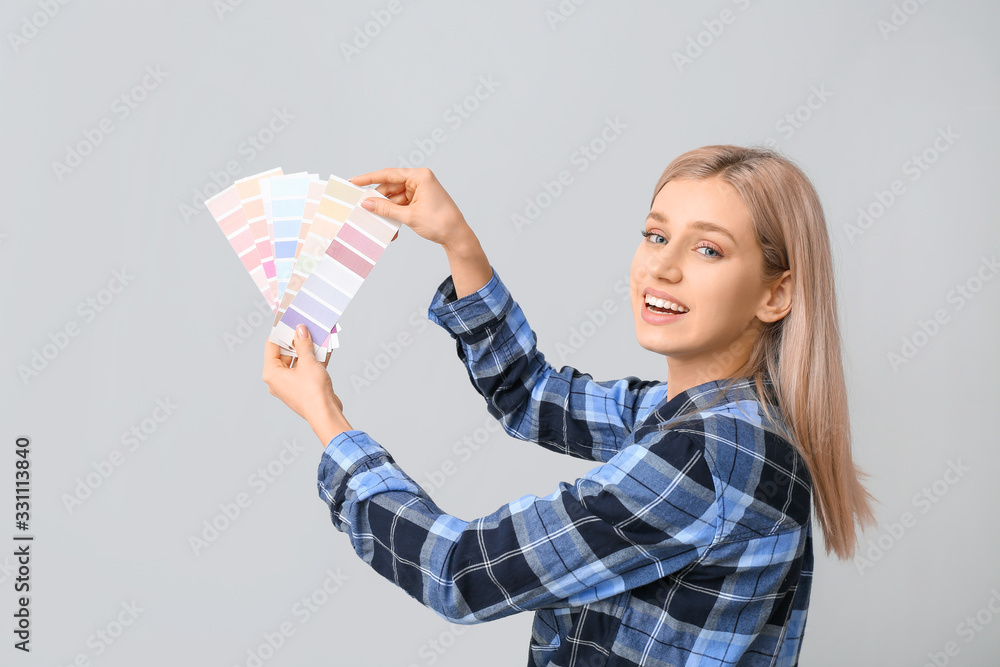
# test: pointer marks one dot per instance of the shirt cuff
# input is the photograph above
(346, 455)
(481, 309)
(353, 468)
(349, 450)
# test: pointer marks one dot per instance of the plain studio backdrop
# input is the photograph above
(133, 339)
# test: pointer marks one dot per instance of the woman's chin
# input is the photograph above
(655, 344)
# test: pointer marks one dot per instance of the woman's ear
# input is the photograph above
(779, 299)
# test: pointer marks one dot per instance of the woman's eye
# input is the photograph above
(713, 254)
(705, 247)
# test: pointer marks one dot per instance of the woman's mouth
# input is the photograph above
(658, 311)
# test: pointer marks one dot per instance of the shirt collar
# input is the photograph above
(741, 400)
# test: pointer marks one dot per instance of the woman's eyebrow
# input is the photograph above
(697, 224)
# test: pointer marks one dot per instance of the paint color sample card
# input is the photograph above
(227, 209)
(253, 207)
(314, 195)
(285, 198)
(337, 201)
(230, 210)
(343, 245)
(307, 245)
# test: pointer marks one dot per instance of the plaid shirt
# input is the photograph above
(686, 546)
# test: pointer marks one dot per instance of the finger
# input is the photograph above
(390, 175)
(303, 344)
(273, 350)
(394, 237)
(273, 354)
(272, 357)
(391, 190)
(386, 209)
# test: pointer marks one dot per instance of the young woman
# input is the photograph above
(691, 543)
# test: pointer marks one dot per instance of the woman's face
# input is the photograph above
(714, 273)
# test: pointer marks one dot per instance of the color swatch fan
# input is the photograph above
(307, 245)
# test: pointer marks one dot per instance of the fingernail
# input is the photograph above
(301, 331)
(368, 204)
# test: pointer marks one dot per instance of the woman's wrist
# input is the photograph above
(461, 243)
(470, 268)
(329, 427)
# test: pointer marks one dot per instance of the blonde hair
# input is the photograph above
(795, 362)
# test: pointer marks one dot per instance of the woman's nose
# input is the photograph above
(663, 264)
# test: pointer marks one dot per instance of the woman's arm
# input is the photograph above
(648, 512)
(563, 410)
(470, 269)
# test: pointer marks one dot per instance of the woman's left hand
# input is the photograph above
(306, 388)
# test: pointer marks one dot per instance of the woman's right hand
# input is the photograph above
(417, 200)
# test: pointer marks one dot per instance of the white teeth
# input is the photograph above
(660, 303)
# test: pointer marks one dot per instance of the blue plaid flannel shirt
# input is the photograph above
(686, 546)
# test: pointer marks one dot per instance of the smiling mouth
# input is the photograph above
(663, 311)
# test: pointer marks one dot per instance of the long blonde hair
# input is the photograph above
(795, 362)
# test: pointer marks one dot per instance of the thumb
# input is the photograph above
(385, 208)
(303, 343)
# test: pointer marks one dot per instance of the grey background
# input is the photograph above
(163, 336)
